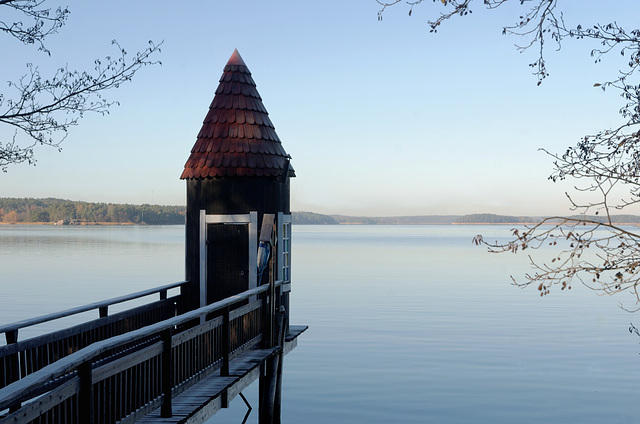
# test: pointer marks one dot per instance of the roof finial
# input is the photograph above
(236, 59)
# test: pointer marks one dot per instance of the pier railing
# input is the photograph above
(123, 378)
(21, 358)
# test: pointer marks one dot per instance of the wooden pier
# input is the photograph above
(180, 369)
(181, 358)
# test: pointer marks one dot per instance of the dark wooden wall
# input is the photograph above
(220, 196)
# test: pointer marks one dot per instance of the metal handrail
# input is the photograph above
(28, 385)
(102, 305)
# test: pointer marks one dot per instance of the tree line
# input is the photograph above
(488, 218)
(15, 210)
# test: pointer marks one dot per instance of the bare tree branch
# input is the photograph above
(43, 21)
(591, 248)
(43, 109)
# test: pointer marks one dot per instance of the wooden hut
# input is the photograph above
(237, 172)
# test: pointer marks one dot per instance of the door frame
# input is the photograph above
(250, 219)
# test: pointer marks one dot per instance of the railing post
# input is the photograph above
(167, 374)
(226, 342)
(277, 404)
(85, 397)
(104, 311)
(266, 320)
(14, 370)
(11, 336)
(272, 312)
(14, 364)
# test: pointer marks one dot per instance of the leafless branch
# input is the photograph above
(41, 109)
(43, 22)
(44, 109)
(591, 247)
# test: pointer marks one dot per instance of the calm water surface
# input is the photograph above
(408, 324)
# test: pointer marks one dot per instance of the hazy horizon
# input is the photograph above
(498, 213)
(380, 118)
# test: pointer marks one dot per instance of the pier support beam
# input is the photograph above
(270, 384)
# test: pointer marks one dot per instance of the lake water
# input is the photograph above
(408, 324)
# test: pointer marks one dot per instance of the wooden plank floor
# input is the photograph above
(201, 401)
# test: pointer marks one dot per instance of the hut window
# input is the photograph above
(284, 247)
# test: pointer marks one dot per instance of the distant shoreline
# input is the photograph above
(80, 224)
(52, 211)
(132, 224)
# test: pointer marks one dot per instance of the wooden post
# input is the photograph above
(266, 321)
(272, 311)
(167, 374)
(85, 397)
(14, 370)
(14, 364)
(270, 384)
(277, 411)
(266, 236)
(226, 348)
(203, 259)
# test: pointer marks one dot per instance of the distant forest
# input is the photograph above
(312, 218)
(487, 218)
(14, 210)
(25, 210)
(51, 210)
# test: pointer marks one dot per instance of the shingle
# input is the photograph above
(237, 137)
(251, 160)
(254, 146)
(242, 103)
(267, 161)
(217, 162)
(200, 163)
(224, 145)
(257, 131)
(250, 117)
(240, 116)
(233, 160)
(200, 144)
(210, 160)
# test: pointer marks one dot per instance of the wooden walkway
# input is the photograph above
(201, 401)
(186, 367)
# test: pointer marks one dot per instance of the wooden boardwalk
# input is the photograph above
(177, 370)
(201, 401)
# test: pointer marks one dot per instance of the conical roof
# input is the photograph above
(237, 137)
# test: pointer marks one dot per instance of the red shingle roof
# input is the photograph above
(237, 137)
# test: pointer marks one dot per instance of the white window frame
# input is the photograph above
(284, 250)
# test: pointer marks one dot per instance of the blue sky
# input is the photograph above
(381, 118)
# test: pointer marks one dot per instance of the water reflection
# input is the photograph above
(408, 324)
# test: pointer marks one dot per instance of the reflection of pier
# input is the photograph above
(183, 357)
